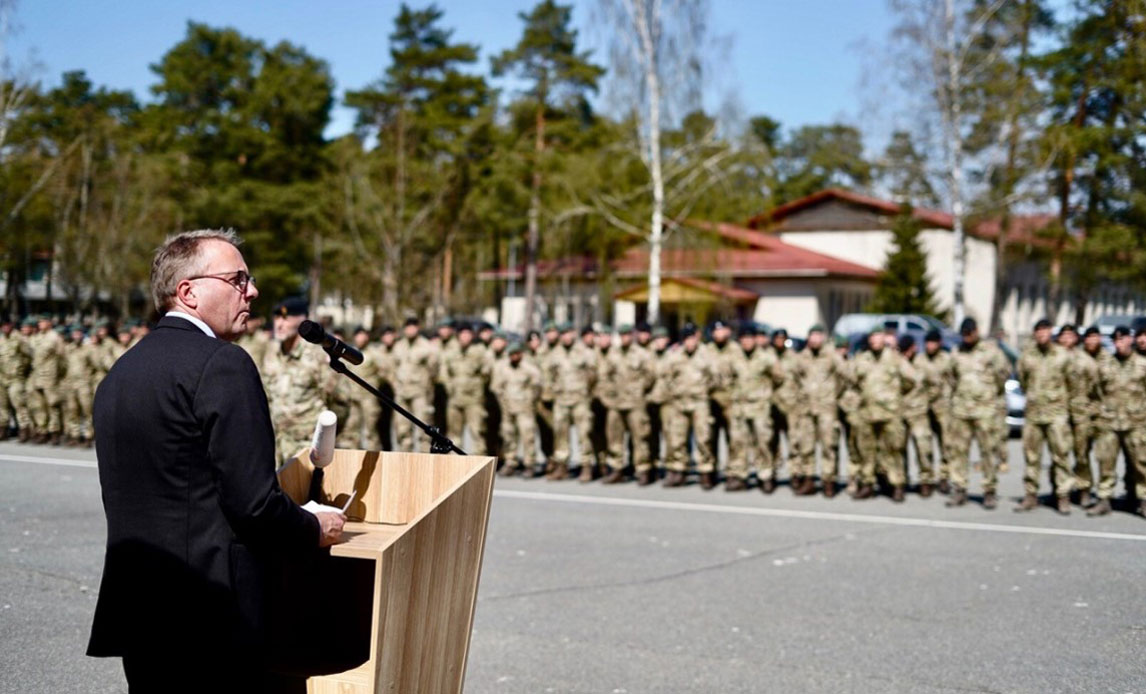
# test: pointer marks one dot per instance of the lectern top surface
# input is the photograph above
(366, 540)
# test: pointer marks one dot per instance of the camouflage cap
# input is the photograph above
(551, 326)
(688, 330)
(817, 328)
(515, 348)
(841, 341)
(566, 327)
(29, 321)
(660, 331)
(625, 329)
(76, 328)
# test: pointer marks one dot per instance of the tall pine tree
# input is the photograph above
(903, 286)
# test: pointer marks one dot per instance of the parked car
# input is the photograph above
(915, 324)
(1106, 324)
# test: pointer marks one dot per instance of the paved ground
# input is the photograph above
(593, 589)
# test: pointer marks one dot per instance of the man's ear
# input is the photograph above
(187, 294)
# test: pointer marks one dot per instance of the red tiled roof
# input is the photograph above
(1023, 227)
(723, 290)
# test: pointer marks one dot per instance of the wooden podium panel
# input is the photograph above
(423, 527)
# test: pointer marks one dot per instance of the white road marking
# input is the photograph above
(71, 462)
(813, 515)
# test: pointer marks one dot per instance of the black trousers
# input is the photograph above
(158, 675)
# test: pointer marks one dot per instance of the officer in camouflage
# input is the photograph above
(725, 354)
(361, 428)
(821, 375)
(632, 371)
(655, 402)
(44, 397)
(1121, 390)
(934, 365)
(789, 406)
(848, 413)
(757, 375)
(517, 384)
(465, 372)
(1043, 368)
(883, 377)
(15, 363)
(415, 371)
(1082, 386)
(571, 371)
(690, 374)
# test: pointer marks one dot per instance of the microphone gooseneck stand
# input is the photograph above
(439, 443)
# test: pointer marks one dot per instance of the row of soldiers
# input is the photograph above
(642, 406)
(49, 372)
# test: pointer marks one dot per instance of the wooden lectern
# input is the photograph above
(410, 562)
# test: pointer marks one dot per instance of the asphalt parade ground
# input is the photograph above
(621, 589)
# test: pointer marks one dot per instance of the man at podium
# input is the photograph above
(195, 515)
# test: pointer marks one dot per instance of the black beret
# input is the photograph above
(1068, 328)
(747, 330)
(387, 329)
(644, 327)
(933, 335)
(587, 330)
(1092, 331)
(906, 342)
(1043, 324)
(462, 325)
(1121, 331)
(292, 306)
(968, 326)
(688, 330)
(412, 320)
(779, 331)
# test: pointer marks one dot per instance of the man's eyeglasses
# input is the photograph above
(239, 280)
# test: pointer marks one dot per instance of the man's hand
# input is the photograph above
(329, 528)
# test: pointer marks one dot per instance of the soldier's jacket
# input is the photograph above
(850, 399)
(1042, 374)
(757, 375)
(724, 359)
(517, 387)
(1082, 383)
(540, 358)
(415, 367)
(465, 371)
(633, 373)
(371, 368)
(571, 373)
(882, 380)
(604, 389)
(47, 359)
(15, 358)
(789, 393)
(442, 351)
(917, 400)
(300, 384)
(79, 363)
(821, 378)
(1122, 393)
(935, 377)
(659, 394)
(979, 375)
(256, 345)
(690, 376)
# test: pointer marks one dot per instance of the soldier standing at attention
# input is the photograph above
(361, 428)
(15, 369)
(598, 344)
(1043, 371)
(415, 369)
(725, 353)
(44, 382)
(571, 371)
(978, 372)
(444, 344)
(882, 377)
(630, 368)
(644, 336)
(383, 355)
(915, 414)
(848, 409)
(517, 384)
(821, 381)
(788, 406)
(655, 403)
(751, 415)
(494, 443)
(465, 371)
(1140, 342)
(537, 351)
(935, 365)
(1121, 422)
(1082, 385)
(9, 374)
(76, 387)
(690, 374)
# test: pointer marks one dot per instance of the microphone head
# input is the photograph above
(311, 332)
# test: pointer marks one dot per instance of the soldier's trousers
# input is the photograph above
(790, 426)
(635, 422)
(751, 430)
(882, 443)
(685, 416)
(361, 428)
(494, 443)
(1132, 445)
(518, 430)
(466, 415)
(18, 397)
(1056, 434)
(940, 422)
(7, 410)
(850, 435)
(565, 418)
(599, 430)
(421, 407)
(77, 410)
(959, 442)
(543, 418)
(820, 427)
(653, 410)
(44, 404)
(1002, 435)
(1085, 433)
(721, 422)
(920, 433)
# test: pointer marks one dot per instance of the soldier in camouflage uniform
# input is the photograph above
(465, 372)
(571, 373)
(516, 382)
(848, 413)
(1140, 342)
(751, 412)
(1121, 389)
(415, 369)
(1043, 371)
(789, 406)
(80, 366)
(383, 356)
(537, 352)
(45, 400)
(725, 354)
(915, 414)
(690, 375)
(821, 370)
(598, 344)
(883, 377)
(978, 373)
(1082, 385)
(15, 362)
(299, 382)
(360, 430)
(632, 371)
(655, 402)
(934, 364)
(494, 444)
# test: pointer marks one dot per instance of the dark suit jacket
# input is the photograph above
(194, 511)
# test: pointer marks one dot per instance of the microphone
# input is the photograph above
(322, 445)
(337, 349)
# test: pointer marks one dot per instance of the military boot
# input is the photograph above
(56, 439)
(1101, 508)
(674, 478)
(926, 490)
(944, 487)
(829, 489)
(1029, 502)
(1141, 508)
(1063, 505)
(707, 480)
(796, 483)
(559, 472)
(864, 491)
(735, 484)
(588, 471)
(990, 501)
(768, 485)
(958, 498)
(1084, 498)
(898, 493)
(528, 471)
(614, 477)
(644, 478)
(807, 487)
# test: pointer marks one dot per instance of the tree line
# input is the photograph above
(449, 171)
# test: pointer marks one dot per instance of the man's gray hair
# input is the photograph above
(179, 258)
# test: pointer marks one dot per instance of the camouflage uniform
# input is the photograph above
(631, 370)
(821, 383)
(1122, 423)
(44, 382)
(1082, 383)
(789, 407)
(979, 374)
(757, 374)
(724, 357)
(935, 373)
(849, 403)
(256, 344)
(15, 365)
(571, 373)
(517, 389)
(544, 417)
(361, 428)
(415, 367)
(882, 380)
(1042, 374)
(465, 371)
(81, 365)
(604, 393)
(656, 403)
(689, 379)
(300, 384)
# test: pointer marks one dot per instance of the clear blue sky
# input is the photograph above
(795, 60)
